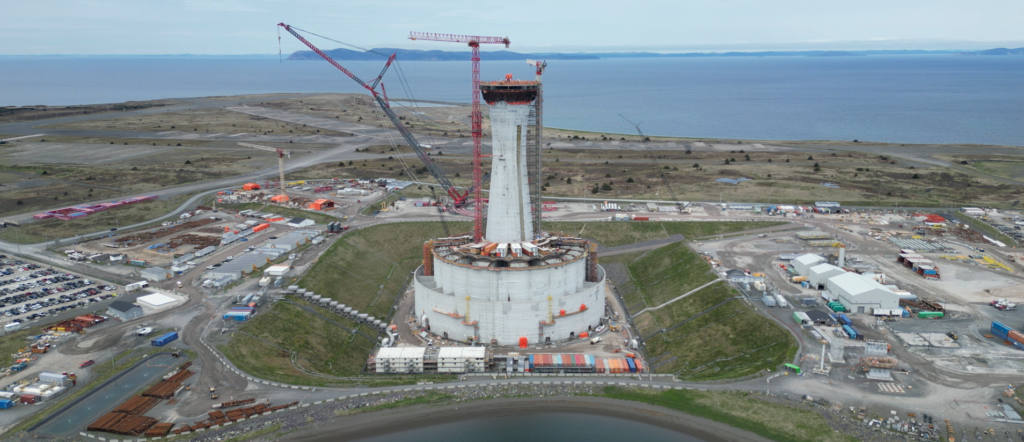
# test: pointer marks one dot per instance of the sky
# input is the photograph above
(235, 27)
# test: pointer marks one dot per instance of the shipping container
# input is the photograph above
(930, 315)
(632, 365)
(1000, 326)
(6, 403)
(1015, 336)
(845, 320)
(850, 331)
(1000, 334)
(164, 339)
(599, 366)
(639, 365)
(28, 398)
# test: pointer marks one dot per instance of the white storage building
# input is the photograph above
(818, 275)
(300, 222)
(803, 263)
(861, 295)
(461, 359)
(156, 274)
(400, 359)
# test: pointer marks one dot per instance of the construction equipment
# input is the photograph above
(280, 159)
(657, 165)
(533, 156)
(476, 116)
(382, 101)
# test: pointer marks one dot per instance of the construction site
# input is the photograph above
(296, 293)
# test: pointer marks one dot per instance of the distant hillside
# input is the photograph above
(418, 55)
(1001, 51)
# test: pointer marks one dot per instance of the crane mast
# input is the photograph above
(381, 99)
(657, 164)
(280, 160)
(534, 162)
(476, 116)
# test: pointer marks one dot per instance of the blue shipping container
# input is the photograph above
(632, 365)
(850, 331)
(1002, 327)
(6, 403)
(845, 320)
(164, 339)
(1018, 345)
(1000, 334)
(531, 362)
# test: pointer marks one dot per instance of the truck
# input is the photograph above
(595, 340)
(164, 339)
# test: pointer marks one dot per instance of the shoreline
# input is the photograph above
(377, 423)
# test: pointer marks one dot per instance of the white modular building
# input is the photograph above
(400, 359)
(860, 294)
(461, 359)
(803, 263)
(156, 274)
(818, 275)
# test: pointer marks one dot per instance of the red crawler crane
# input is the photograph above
(474, 43)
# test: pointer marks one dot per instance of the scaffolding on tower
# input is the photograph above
(476, 116)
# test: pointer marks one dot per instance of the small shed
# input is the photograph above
(251, 186)
(300, 222)
(156, 274)
(124, 311)
(322, 204)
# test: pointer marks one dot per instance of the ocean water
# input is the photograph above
(905, 99)
(538, 427)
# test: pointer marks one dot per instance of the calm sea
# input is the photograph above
(911, 99)
(538, 427)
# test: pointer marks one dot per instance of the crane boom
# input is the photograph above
(452, 38)
(434, 170)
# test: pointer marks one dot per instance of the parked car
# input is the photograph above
(86, 363)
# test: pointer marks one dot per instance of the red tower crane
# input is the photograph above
(476, 116)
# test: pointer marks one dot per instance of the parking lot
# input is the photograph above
(29, 291)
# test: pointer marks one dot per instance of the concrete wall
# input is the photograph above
(509, 304)
(508, 208)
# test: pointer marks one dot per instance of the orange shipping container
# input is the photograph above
(490, 248)
(260, 227)
(599, 365)
(1015, 335)
(639, 365)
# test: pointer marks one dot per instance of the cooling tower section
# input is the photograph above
(508, 209)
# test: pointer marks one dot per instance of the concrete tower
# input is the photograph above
(512, 288)
(508, 208)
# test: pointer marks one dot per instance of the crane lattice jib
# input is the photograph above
(452, 38)
(383, 104)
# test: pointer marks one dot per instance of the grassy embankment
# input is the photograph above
(365, 269)
(740, 410)
(722, 337)
(612, 234)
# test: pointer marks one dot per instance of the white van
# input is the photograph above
(144, 331)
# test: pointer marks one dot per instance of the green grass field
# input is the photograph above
(264, 350)
(612, 234)
(741, 410)
(665, 273)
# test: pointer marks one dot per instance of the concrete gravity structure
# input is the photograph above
(512, 288)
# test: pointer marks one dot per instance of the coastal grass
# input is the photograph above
(51, 229)
(428, 398)
(740, 410)
(668, 272)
